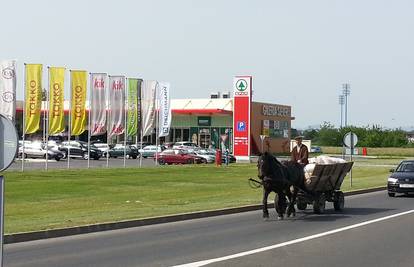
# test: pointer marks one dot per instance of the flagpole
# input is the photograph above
(47, 116)
(108, 121)
(125, 118)
(157, 104)
(24, 115)
(70, 118)
(89, 121)
(44, 124)
(142, 132)
(138, 115)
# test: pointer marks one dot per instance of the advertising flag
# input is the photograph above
(132, 107)
(165, 109)
(78, 101)
(139, 105)
(148, 94)
(56, 100)
(98, 107)
(117, 105)
(33, 97)
(8, 88)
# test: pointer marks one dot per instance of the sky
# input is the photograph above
(299, 52)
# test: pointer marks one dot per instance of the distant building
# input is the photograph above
(410, 136)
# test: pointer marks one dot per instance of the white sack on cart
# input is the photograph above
(319, 160)
(326, 160)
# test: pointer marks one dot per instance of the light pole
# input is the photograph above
(346, 91)
(341, 102)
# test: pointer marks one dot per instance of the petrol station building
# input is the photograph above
(226, 121)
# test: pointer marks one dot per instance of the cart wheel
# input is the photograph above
(339, 201)
(319, 205)
(301, 204)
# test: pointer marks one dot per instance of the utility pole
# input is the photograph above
(346, 91)
(341, 102)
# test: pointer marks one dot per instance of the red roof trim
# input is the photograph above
(202, 111)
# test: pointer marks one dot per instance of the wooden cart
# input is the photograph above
(324, 185)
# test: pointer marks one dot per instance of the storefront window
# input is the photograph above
(186, 134)
(204, 138)
(177, 135)
(277, 129)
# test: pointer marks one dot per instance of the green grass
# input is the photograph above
(39, 200)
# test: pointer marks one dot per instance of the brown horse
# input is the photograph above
(282, 178)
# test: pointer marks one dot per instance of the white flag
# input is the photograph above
(148, 93)
(117, 105)
(98, 103)
(8, 88)
(165, 109)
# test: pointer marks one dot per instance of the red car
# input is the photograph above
(178, 156)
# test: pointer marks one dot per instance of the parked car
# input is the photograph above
(232, 159)
(104, 147)
(79, 149)
(178, 156)
(315, 149)
(210, 158)
(185, 145)
(401, 179)
(120, 150)
(38, 150)
(149, 151)
(138, 145)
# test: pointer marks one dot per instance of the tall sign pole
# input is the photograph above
(8, 150)
(242, 88)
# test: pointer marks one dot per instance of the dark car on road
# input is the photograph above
(401, 179)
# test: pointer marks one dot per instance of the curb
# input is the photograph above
(30, 236)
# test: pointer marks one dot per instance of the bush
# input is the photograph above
(369, 136)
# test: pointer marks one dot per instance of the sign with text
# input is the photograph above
(241, 116)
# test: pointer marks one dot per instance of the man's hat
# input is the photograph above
(299, 137)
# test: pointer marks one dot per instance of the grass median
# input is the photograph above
(40, 200)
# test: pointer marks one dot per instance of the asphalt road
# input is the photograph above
(388, 242)
(37, 164)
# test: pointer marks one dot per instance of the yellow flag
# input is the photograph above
(56, 100)
(78, 100)
(33, 97)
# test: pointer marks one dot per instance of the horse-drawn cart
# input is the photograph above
(323, 185)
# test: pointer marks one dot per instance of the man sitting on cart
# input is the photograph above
(300, 152)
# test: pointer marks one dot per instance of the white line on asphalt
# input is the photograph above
(303, 239)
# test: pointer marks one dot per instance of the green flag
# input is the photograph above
(132, 107)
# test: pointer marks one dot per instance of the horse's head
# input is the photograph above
(264, 165)
(269, 166)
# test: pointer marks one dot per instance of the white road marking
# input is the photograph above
(299, 240)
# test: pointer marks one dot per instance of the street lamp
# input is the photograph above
(346, 91)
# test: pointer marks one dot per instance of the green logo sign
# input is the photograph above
(241, 85)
